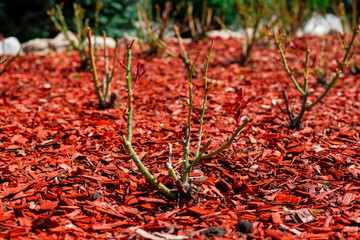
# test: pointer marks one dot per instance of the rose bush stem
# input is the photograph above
(184, 175)
(296, 121)
(94, 70)
(182, 183)
(205, 99)
(106, 99)
(127, 141)
(129, 92)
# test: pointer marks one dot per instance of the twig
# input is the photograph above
(185, 176)
(170, 167)
(286, 65)
(205, 98)
(129, 91)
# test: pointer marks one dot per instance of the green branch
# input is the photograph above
(205, 99)
(94, 72)
(185, 176)
(129, 91)
(306, 73)
(183, 186)
(149, 177)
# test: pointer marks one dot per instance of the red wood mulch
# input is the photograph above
(64, 173)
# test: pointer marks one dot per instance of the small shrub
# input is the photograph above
(151, 30)
(293, 14)
(182, 181)
(295, 120)
(199, 26)
(81, 23)
(103, 92)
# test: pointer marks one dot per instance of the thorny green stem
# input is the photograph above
(81, 28)
(52, 14)
(129, 91)
(107, 81)
(198, 158)
(149, 177)
(286, 65)
(205, 99)
(127, 141)
(297, 121)
(106, 55)
(185, 176)
(94, 72)
(306, 73)
(288, 110)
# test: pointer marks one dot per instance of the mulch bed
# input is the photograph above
(65, 174)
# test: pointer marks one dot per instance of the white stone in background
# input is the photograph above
(110, 42)
(226, 34)
(319, 25)
(11, 45)
(60, 42)
(43, 46)
(38, 45)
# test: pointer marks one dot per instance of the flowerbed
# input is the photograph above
(65, 174)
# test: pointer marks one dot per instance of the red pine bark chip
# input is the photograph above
(65, 174)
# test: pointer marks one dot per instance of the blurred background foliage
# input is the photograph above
(31, 20)
(27, 19)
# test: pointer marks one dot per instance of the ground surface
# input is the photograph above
(64, 173)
